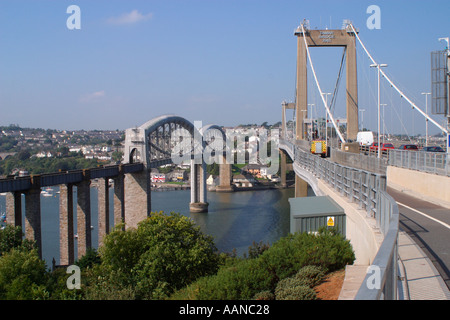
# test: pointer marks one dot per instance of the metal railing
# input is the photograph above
(380, 282)
(368, 190)
(431, 162)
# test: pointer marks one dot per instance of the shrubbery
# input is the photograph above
(164, 253)
(299, 286)
(168, 256)
(247, 278)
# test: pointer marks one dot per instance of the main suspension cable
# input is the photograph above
(395, 87)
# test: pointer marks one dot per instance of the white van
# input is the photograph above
(365, 138)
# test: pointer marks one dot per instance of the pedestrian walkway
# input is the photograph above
(420, 279)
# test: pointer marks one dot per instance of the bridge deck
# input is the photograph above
(423, 247)
(67, 177)
(422, 281)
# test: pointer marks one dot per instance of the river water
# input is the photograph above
(235, 220)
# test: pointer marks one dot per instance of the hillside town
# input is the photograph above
(23, 150)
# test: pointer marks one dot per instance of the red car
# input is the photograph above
(384, 146)
(409, 147)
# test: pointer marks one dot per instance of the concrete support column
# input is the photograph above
(302, 88)
(14, 208)
(283, 169)
(202, 183)
(225, 177)
(198, 188)
(119, 199)
(84, 217)
(66, 233)
(137, 198)
(352, 92)
(33, 217)
(103, 209)
(194, 176)
(301, 187)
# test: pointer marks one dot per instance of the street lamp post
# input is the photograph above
(384, 120)
(426, 119)
(378, 66)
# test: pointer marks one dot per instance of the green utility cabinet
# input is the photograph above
(308, 214)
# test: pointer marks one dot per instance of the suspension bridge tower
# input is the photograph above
(327, 38)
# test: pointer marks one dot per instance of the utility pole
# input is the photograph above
(384, 120)
(426, 94)
(378, 66)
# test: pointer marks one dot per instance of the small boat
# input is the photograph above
(46, 193)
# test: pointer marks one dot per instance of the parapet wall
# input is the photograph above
(361, 229)
(426, 186)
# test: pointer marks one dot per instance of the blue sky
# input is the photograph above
(219, 61)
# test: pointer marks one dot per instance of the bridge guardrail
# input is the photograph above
(369, 191)
(386, 260)
(431, 162)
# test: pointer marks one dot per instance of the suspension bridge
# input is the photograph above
(374, 192)
(375, 185)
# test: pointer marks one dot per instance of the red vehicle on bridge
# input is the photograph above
(384, 146)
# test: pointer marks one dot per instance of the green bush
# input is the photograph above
(294, 282)
(296, 287)
(300, 292)
(264, 295)
(12, 237)
(23, 275)
(105, 284)
(314, 274)
(248, 277)
(164, 253)
(57, 286)
(90, 259)
(256, 249)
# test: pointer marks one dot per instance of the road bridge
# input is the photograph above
(367, 187)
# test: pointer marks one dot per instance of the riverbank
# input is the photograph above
(174, 187)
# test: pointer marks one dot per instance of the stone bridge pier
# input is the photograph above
(75, 220)
(199, 201)
(225, 177)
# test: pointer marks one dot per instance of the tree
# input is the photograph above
(11, 238)
(23, 155)
(117, 155)
(164, 253)
(22, 275)
(213, 169)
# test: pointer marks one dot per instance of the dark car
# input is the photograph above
(410, 147)
(433, 149)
